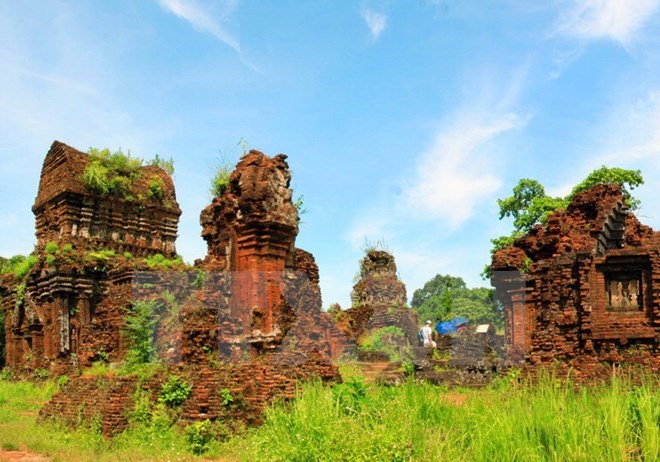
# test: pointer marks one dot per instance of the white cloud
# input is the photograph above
(632, 133)
(202, 20)
(455, 175)
(456, 172)
(617, 20)
(376, 22)
(628, 138)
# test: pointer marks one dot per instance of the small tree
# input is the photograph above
(139, 329)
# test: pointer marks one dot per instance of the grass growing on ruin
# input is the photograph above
(549, 421)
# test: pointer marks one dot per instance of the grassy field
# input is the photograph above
(549, 421)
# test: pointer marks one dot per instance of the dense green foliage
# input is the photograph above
(160, 262)
(18, 265)
(174, 391)
(548, 421)
(386, 339)
(529, 205)
(199, 436)
(2, 337)
(445, 297)
(116, 173)
(111, 172)
(627, 179)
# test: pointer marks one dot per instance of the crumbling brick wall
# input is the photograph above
(106, 402)
(583, 290)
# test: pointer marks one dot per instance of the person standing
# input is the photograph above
(427, 334)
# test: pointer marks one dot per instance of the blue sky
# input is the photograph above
(403, 121)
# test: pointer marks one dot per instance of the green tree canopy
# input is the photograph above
(445, 297)
(627, 179)
(529, 204)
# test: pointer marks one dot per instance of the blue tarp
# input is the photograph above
(450, 327)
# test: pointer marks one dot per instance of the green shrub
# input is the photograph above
(351, 394)
(101, 255)
(50, 260)
(8, 265)
(62, 380)
(226, 396)
(40, 374)
(374, 340)
(174, 391)
(160, 262)
(9, 446)
(111, 173)
(96, 178)
(389, 339)
(198, 435)
(121, 185)
(3, 350)
(156, 188)
(51, 248)
(20, 293)
(220, 180)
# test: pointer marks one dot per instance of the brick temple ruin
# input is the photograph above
(70, 305)
(247, 317)
(583, 290)
(379, 300)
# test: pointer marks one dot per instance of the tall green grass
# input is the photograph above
(546, 421)
(19, 406)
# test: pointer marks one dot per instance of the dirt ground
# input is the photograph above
(21, 456)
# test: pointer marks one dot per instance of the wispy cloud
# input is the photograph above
(632, 133)
(629, 137)
(585, 21)
(617, 20)
(203, 20)
(456, 172)
(376, 22)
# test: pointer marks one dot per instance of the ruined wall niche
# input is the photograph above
(627, 284)
(591, 296)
